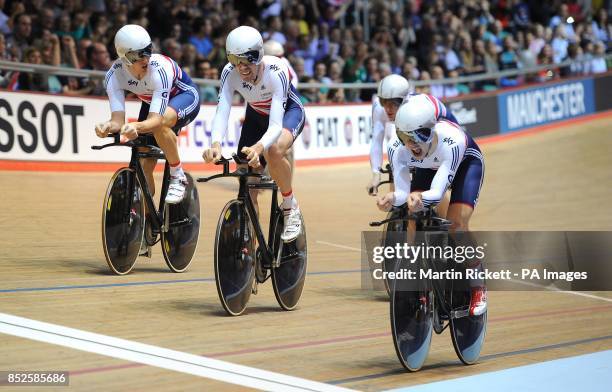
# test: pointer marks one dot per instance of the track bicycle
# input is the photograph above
(243, 257)
(423, 305)
(130, 217)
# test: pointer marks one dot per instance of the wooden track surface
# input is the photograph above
(50, 225)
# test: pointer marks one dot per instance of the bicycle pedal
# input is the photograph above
(146, 253)
(460, 313)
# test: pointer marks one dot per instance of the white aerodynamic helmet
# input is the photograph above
(273, 48)
(394, 87)
(244, 45)
(415, 119)
(132, 43)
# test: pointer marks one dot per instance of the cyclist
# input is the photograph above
(275, 48)
(447, 157)
(274, 115)
(393, 90)
(169, 98)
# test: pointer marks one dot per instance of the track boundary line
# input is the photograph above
(157, 356)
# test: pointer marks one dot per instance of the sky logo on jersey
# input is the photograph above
(448, 141)
(541, 105)
(247, 86)
(132, 83)
(274, 67)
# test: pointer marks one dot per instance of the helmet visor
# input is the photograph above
(394, 101)
(250, 57)
(421, 135)
(135, 55)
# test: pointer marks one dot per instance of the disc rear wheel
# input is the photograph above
(180, 239)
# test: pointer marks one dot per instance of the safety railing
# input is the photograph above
(85, 73)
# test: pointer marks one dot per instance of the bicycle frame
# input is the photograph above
(245, 197)
(157, 223)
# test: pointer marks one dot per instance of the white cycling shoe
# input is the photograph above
(176, 189)
(292, 225)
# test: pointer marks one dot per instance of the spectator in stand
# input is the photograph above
(424, 89)
(508, 59)
(4, 20)
(202, 36)
(559, 44)
(598, 64)
(82, 46)
(546, 58)
(80, 25)
(354, 69)
(30, 81)
(98, 59)
(335, 42)
(451, 60)
(189, 58)
(579, 67)
(217, 56)
(410, 70)
(46, 21)
(520, 15)
(565, 21)
(602, 29)
(335, 74)
(447, 34)
(21, 37)
(306, 50)
(273, 30)
(372, 76)
(321, 77)
(398, 58)
(5, 76)
(207, 93)
(440, 90)
(172, 48)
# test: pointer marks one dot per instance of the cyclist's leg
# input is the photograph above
(182, 109)
(148, 164)
(466, 189)
(253, 128)
(280, 168)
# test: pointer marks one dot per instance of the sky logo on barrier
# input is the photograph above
(536, 106)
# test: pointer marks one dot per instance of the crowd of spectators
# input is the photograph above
(325, 40)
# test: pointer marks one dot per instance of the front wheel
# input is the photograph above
(411, 308)
(123, 221)
(391, 235)
(180, 239)
(234, 258)
(289, 274)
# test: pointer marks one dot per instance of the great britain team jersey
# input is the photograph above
(164, 80)
(453, 146)
(268, 97)
(383, 128)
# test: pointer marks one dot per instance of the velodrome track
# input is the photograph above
(53, 271)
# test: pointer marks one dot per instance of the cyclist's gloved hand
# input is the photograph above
(212, 154)
(103, 129)
(252, 156)
(129, 131)
(385, 203)
(415, 201)
(372, 186)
